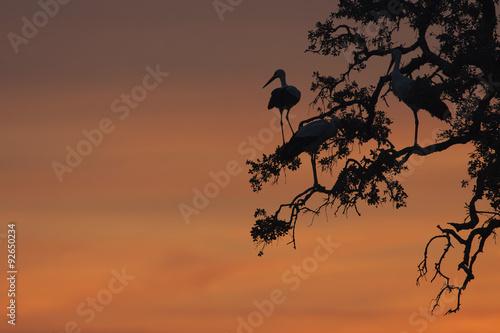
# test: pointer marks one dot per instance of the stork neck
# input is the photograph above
(283, 81)
(397, 62)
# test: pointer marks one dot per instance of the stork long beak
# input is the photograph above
(390, 66)
(271, 80)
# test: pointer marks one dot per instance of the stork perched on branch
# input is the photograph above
(309, 138)
(283, 98)
(416, 94)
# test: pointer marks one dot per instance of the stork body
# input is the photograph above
(283, 98)
(309, 138)
(416, 94)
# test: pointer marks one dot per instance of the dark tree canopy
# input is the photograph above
(454, 45)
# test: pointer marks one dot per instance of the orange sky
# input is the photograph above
(118, 209)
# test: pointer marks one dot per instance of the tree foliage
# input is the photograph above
(454, 45)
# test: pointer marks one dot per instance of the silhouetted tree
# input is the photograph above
(454, 46)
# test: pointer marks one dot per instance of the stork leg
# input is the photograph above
(315, 175)
(281, 123)
(416, 127)
(287, 112)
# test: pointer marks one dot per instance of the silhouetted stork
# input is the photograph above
(309, 138)
(283, 98)
(417, 94)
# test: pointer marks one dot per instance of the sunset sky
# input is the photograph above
(116, 211)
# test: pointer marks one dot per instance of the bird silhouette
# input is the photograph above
(283, 98)
(309, 138)
(416, 94)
